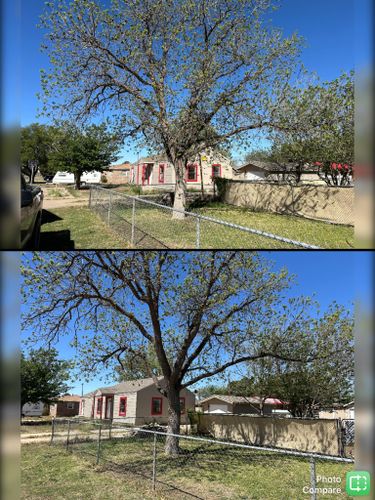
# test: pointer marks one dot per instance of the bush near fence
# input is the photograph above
(326, 203)
(307, 435)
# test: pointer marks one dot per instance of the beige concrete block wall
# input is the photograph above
(317, 202)
(318, 436)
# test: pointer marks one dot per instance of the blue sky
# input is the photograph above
(327, 25)
(343, 277)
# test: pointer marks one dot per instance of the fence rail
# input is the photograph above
(200, 467)
(147, 224)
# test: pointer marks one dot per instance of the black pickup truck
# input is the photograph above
(31, 215)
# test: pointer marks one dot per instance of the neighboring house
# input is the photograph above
(119, 174)
(262, 171)
(343, 411)
(66, 406)
(239, 405)
(134, 402)
(157, 172)
(33, 409)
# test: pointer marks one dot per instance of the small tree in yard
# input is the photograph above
(181, 75)
(43, 376)
(36, 144)
(83, 150)
(201, 313)
(311, 386)
(317, 127)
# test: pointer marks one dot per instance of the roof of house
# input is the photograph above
(121, 166)
(72, 397)
(128, 386)
(274, 167)
(88, 394)
(242, 399)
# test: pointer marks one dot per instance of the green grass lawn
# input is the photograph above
(155, 227)
(209, 471)
(53, 473)
(80, 228)
(76, 228)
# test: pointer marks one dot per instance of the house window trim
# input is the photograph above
(161, 179)
(212, 171)
(184, 410)
(99, 411)
(195, 165)
(120, 413)
(152, 406)
(70, 403)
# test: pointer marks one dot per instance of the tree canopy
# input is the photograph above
(37, 143)
(43, 376)
(318, 129)
(78, 150)
(200, 312)
(178, 75)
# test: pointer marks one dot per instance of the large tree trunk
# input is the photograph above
(77, 180)
(174, 418)
(180, 190)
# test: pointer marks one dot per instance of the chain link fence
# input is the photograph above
(200, 467)
(145, 224)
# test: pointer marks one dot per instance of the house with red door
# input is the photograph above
(155, 172)
(135, 402)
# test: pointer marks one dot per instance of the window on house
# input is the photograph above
(122, 406)
(192, 173)
(156, 406)
(216, 170)
(182, 405)
(99, 406)
(70, 406)
(161, 173)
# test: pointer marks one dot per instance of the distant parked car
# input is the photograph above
(68, 178)
(31, 214)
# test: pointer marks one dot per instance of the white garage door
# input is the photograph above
(218, 408)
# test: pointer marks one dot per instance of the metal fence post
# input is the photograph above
(109, 208)
(68, 436)
(99, 444)
(313, 478)
(90, 194)
(52, 430)
(133, 224)
(154, 464)
(197, 244)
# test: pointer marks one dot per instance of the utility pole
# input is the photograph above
(82, 390)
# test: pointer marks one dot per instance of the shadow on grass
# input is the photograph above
(56, 240)
(49, 217)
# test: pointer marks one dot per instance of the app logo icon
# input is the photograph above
(358, 483)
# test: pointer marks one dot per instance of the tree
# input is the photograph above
(179, 75)
(201, 312)
(36, 145)
(83, 150)
(310, 386)
(317, 127)
(43, 376)
(210, 390)
(138, 367)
